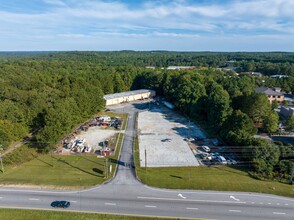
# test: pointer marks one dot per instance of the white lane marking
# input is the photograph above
(279, 213)
(221, 193)
(269, 203)
(180, 195)
(252, 202)
(33, 199)
(233, 210)
(261, 203)
(286, 204)
(150, 206)
(278, 203)
(73, 201)
(232, 197)
(190, 200)
(192, 208)
(110, 203)
(1, 197)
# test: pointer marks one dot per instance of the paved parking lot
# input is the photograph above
(161, 135)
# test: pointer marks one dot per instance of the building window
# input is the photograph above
(279, 96)
(269, 96)
(274, 96)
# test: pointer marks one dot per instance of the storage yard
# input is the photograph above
(97, 135)
(162, 135)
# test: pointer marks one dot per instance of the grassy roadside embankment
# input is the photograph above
(19, 214)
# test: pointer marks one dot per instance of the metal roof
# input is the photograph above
(124, 94)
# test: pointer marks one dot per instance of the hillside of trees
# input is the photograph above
(49, 94)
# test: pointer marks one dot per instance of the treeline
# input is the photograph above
(268, 63)
(229, 107)
(49, 98)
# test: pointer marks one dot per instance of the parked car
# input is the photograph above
(60, 204)
(215, 155)
(209, 157)
(231, 162)
(205, 148)
(190, 139)
(222, 160)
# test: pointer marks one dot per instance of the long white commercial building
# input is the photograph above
(117, 98)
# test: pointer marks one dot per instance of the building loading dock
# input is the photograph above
(117, 98)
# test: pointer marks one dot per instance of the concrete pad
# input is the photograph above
(162, 133)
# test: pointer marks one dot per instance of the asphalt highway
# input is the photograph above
(124, 194)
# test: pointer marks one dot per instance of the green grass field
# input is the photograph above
(59, 171)
(17, 214)
(211, 178)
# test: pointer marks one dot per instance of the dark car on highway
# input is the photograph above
(60, 204)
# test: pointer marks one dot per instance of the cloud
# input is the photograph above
(176, 35)
(174, 19)
(55, 2)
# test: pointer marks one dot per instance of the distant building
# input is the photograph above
(180, 67)
(271, 94)
(279, 76)
(150, 67)
(287, 111)
(256, 74)
(117, 98)
(230, 68)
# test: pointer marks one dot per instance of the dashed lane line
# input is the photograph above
(279, 213)
(190, 200)
(234, 210)
(34, 199)
(191, 208)
(150, 206)
(108, 203)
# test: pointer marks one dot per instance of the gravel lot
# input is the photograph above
(162, 133)
(96, 134)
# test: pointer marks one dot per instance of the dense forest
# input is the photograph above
(47, 94)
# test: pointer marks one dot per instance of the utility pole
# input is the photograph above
(189, 131)
(80, 194)
(291, 177)
(106, 166)
(145, 159)
(2, 168)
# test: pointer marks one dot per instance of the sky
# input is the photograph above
(174, 25)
